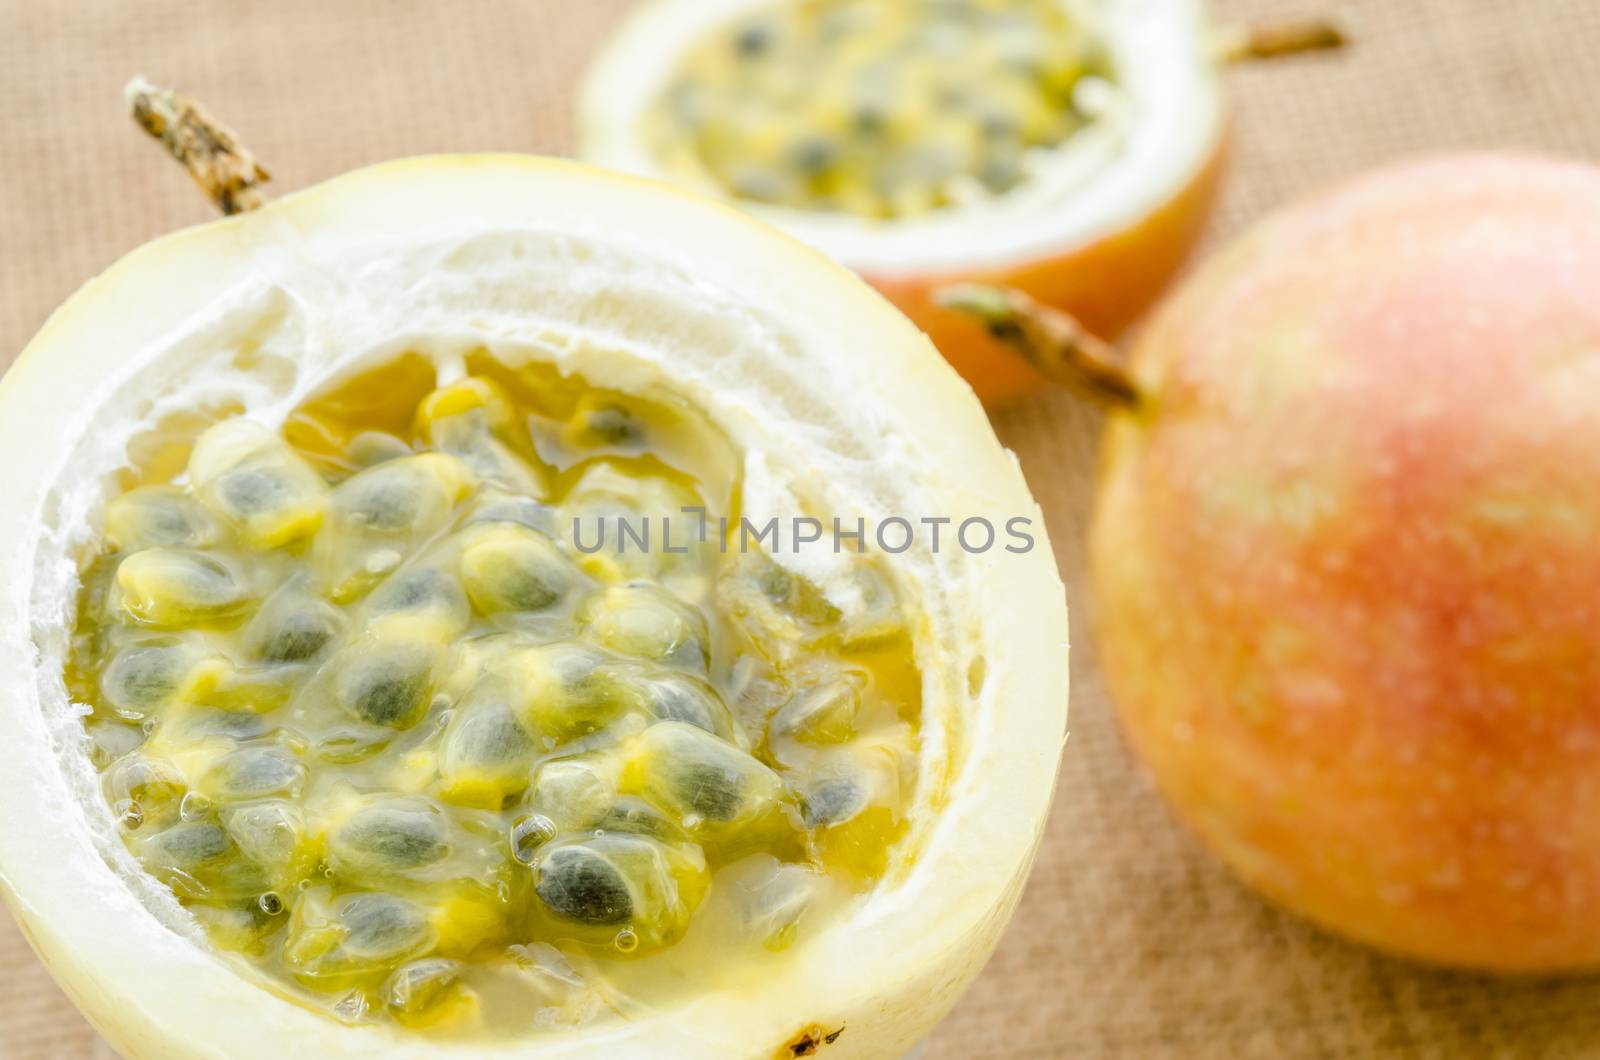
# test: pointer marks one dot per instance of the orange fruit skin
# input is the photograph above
(1106, 284)
(1347, 568)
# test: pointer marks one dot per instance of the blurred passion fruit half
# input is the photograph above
(1066, 149)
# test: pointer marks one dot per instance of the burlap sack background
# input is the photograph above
(1130, 941)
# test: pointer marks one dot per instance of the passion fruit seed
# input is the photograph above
(291, 627)
(648, 622)
(487, 751)
(509, 567)
(701, 780)
(158, 517)
(252, 480)
(600, 423)
(574, 793)
(416, 987)
(171, 588)
(566, 689)
(198, 860)
(428, 593)
(582, 760)
(679, 697)
(823, 713)
(907, 107)
(354, 936)
(387, 683)
(254, 773)
(833, 799)
(497, 507)
(579, 883)
(150, 788)
(194, 806)
(601, 884)
(269, 833)
(776, 900)
(146, 674)
(390, 836)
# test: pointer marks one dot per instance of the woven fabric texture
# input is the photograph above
(1130, 941)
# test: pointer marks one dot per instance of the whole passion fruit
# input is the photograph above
(332, 731)
(1347, 550)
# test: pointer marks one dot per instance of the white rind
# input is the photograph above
(1167, 123)
(635, 285)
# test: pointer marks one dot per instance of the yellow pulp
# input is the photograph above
(394, 739)
(882, 108)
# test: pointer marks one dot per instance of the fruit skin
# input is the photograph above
(1346, 562)
(637, 284)
(1105, 284)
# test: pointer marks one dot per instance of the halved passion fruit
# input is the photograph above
(1068, 150)
(399, 658)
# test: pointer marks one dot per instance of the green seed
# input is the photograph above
(158, 516)
(486, 751)
(426, 591)
(198, 860)
(824, 713)
(145, 675)
(387, 683)
(268, 833)
(418, 986)
(291, 627)
(392, 835)
(679, 697)
(171, 587)
(701, 780)
(579, 883)
(254, 773)
(647, 622)
(508, 567)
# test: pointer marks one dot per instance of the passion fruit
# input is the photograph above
(1067, 150)
(1345, 556)
(336, 740)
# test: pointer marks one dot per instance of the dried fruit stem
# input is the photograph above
(1050, 340)
(1249, 43)
(224, 168)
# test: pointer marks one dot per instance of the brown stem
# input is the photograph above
(1048, 339)
(1250, 43)
(224, 168)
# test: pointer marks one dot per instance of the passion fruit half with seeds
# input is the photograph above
(1070, 150)
(324, 733)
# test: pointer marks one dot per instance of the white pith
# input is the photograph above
(1162, 127)
(632, 286)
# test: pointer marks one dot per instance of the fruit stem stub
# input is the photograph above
(1240, 44)
(1050, 340)
(225, 169)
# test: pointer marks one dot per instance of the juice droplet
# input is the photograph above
(270, 903)
(626, 941)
